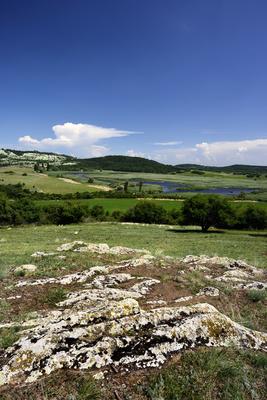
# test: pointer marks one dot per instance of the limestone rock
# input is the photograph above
(118, 334)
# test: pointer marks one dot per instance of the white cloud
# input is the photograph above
(28, 140)
(218, 153)
(81, 138)
(167, 143)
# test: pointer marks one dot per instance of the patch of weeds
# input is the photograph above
(258, 360)
(3, 273)
(88, 390)
(8, 336)
(4, 307)
(54, 296)
(20, 273)
(257, 295)
(196, 281)
(211, 374)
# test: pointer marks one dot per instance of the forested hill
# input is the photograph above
(126, 163)
(236, 168)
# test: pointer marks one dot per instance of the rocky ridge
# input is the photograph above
(121, 316)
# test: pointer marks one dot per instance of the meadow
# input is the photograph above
(116, 204)
(168, 240)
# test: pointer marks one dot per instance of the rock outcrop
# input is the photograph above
(104, 321)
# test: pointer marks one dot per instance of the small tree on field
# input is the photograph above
(206, 211)
(125, 187)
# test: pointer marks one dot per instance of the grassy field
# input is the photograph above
(207, 180)
(111, 205)
(173, 241)
(41, 182)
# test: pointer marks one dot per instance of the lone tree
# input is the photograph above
(206, 211)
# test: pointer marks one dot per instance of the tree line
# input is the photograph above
(202, 210)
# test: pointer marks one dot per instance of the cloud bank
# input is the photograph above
(80, 138)
(218, 153)
(167, 143)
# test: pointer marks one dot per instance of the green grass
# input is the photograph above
(211, 374)
(174, 241)
(123, 205)
(40, 182)
(257, 295)
(8, 336)
(54, 296)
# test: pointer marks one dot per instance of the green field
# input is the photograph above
(111, 205)
(173, 241)
(41, 182)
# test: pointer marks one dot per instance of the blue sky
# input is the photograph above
(173, 80)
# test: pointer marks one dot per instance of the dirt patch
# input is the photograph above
(67, 180)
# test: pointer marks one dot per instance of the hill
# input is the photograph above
(126, 163)
(29, 158)
(236, 168)
(9, 157)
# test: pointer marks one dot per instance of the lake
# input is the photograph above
(172, 187)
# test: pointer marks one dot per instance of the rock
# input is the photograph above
(182, 299)
(144, 286)
(234, 275)
(225, 262)
(26, 269)
(79, 277)
(70, 246)
(252, 285)
(209, 291)
(40, 254)
(103, 281)
(116, 334)
(100, 248)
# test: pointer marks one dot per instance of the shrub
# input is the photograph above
(257, 295)
(254, 217)
(97, 212)
(8, 336)
(147, 212)
(89, 390)
(64, 214)
(54, 296)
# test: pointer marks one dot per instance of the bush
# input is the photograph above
(54, 296)
(253, 217)
(207, 211)
(64, 214)
(147, 212)
(97, 212)
(257, 295)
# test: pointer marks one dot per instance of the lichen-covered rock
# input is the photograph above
(70, 246)
(40, 254)
(252, 285)
(225, 262)
(120, 333)
(209, 291)
(79, 277)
